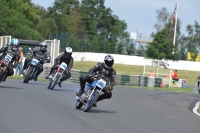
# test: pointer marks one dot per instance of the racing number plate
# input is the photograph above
(63, 65)
(101, 83)
(34, 61)
(8, 57)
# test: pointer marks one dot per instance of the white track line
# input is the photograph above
(196, 108)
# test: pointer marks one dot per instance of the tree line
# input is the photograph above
(92, 27)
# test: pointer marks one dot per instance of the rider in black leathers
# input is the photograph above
(41, 54)
(100, 68)
(12, 50)
(68, 59)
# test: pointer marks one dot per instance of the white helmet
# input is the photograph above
(68, 51)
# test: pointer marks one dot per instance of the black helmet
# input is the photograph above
(68, 51)
(43, 46)
(108, 61)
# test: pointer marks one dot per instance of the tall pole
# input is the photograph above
(176, 12)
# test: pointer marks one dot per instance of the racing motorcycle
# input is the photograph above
(56, 75)
(92, 92)
(198, 90)
(4, 64)
(32, 69)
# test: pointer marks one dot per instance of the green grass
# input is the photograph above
(187, 90)
(176, 89)
(191, 76)
(16, 77)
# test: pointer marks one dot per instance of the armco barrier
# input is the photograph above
(119, 79)
(132, 80)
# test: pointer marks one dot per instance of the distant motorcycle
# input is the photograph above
(32, 69)
(4, 64)
(91, 93)
(56, 75)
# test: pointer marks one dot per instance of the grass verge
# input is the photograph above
(175, 89)
(191, 76)
(17, 77)
(187, 90)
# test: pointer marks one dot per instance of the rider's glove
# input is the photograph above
(65, 72)
(111, 88)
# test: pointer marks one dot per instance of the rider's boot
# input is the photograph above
(95, 105)
(35, 79)
(80, 92)
(4, 79)
(59, 84)
(47, 77)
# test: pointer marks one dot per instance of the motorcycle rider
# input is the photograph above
(12, 50)
(100, 68)
(68, 59)
(41, 54)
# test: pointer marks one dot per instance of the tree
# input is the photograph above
(141, 50)
(164, 22)
(192, 41)
(183, 48)
(161, 47)
(99, 21)
(14, 22)
(162, 19)
(62, 12)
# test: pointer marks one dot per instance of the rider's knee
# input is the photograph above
(109, 94)
(82, 78)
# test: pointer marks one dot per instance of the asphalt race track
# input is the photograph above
(31, 108)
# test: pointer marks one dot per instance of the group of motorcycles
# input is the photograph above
(88, 98)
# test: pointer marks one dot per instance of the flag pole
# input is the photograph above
(175, 26)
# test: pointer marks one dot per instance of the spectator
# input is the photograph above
(151, 74)
(18, 69)
(175, 76)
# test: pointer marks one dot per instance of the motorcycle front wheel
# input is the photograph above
(53, 83)
(79, 104)
(27, 76)
(91, 101)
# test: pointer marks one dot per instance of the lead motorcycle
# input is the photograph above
(56, 75)
(32, 69)
(4, 64)
(91, 93)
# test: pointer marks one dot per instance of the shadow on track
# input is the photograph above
(62, 90)
(36, 83)
(8, 87)
(93, 110)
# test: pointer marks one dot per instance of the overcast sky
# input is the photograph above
(142, 13)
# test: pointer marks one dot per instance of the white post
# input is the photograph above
(9, 39)
(170, 75)
(157, 68)
(1, 42)
(175, 26)
(144, 67)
